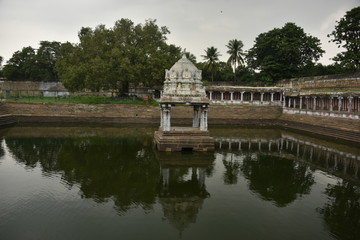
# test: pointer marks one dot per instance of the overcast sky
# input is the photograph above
(194, 24)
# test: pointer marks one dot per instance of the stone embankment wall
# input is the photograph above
(56, 112)
(347, 129)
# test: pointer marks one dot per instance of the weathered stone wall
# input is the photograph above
(133, 113)
(348, 129)
(346, 82)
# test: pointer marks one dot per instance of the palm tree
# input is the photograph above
(211, 57)
(236, 54)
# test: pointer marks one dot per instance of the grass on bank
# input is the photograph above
(85, 99)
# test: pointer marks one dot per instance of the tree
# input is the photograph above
(1, 72)
(111, 59)
(347, 35)
(22, 65)
(211, 57)
(46, 58)
(236, 54)
(34, 65)
(280, 53)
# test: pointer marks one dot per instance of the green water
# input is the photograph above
(107, 182)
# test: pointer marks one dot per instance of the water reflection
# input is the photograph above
(279, 167)
(105, 168)
(182, 189)
(342, 211)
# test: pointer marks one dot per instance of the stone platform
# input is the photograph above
(183, 139)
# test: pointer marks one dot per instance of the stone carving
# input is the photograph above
(183, 84)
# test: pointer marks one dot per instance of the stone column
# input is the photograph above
(289, 102)
(231, 96)
(196, 122)
(242, 96)
(284, 101)
(261, 97)
(339, 103)
(322, 102)
(350, 104)
(203, 118)
(222, 96)
(165, 118)
(301, 102)
(272, 97)
(331, 107)
(210, 95)
(314, 106)
(252, 96)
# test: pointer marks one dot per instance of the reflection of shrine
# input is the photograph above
(182, 192)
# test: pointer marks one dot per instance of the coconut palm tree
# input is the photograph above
(211, 57)
(236, 54)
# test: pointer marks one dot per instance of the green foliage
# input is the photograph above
(1, 72)
(281, 53)
(212, 58)
(236, 54)
(347, 35)
(29, 64)
(110, 59)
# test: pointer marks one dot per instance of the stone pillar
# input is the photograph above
(222, 96)
(210, 95)
(203, 118)
(322, 102)
(301, 103)
(196, 122)
(339, 103)
(242, 96)
(350, 104)
(231, 96)
(252, 96)
(165, 117)
(284, 101)
(289, 102)
(331, 107)
(261, 97)
(314, 106)
(272, 97)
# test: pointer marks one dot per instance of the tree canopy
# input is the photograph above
(110, 59)
(236, 54)
(347, 35)
(211, 58)
(282, 52)
(34, 65)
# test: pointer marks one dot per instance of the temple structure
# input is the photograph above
(183, 86)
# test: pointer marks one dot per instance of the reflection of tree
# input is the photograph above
(232, 169)
(342, 211)
(32, 151)
(277, 179)
(123, 169)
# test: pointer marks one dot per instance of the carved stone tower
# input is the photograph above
(183, 85)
